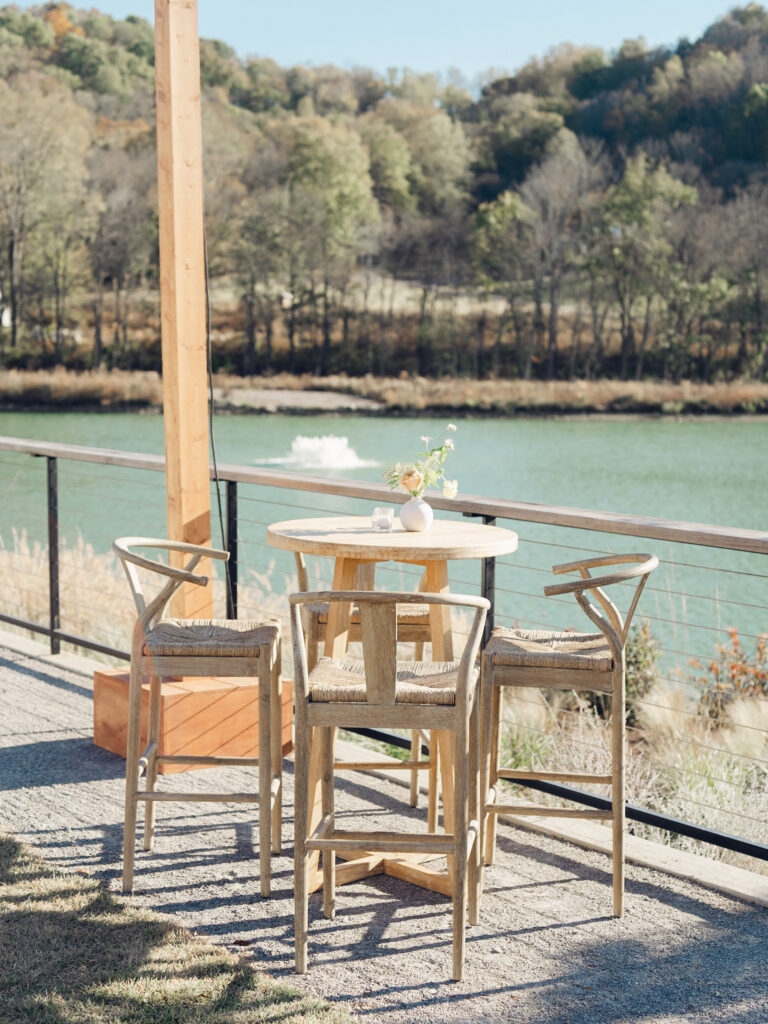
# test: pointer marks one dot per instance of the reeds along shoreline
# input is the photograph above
(128, 389)
(681, 761)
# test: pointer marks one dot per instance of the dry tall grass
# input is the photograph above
(598, 396)
(420, 394)
(65, 389)
(94, 595)
(679, 763)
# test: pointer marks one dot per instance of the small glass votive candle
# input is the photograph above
(382, 519)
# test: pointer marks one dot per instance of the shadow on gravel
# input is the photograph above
(38, 672)
(53, 762)
(718, 975)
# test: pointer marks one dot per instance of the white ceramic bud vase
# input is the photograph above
(416, 515)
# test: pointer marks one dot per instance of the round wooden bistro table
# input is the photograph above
(352, 542)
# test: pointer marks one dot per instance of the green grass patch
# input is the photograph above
(75, 953)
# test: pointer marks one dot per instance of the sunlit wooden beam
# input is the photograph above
(182, 284)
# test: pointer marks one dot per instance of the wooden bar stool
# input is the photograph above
(565, 661)
(382, 691)
(196, 647)
(413, 626)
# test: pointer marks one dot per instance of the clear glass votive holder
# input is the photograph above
(382, 519)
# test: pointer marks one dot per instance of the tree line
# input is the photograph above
(592, 214)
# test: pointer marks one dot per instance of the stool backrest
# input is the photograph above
(636, 566)
(378, 629)
(149, 612)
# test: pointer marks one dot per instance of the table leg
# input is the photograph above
(439, 615)
(337, 630)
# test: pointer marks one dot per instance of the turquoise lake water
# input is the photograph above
(706, 471)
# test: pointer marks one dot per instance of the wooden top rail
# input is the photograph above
(732, 538)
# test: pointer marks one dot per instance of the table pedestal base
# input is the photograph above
(408, 867)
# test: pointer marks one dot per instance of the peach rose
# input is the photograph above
(411, 480)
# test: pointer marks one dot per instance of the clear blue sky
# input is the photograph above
(432, 35)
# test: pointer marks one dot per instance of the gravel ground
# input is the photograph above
(546, 950)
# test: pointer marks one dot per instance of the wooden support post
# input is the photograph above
(182, 286)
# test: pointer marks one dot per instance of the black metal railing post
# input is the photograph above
(487, 577)
(53, 554)
(488, 584)
(231, 566)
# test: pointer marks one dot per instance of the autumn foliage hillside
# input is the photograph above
(593, 214)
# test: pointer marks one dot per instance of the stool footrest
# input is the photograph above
(243, 762)
(513, 774)
(199, 798)
(547, 812)
(376, 766)
(383, 842)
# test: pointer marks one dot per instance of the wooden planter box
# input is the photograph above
(206, 716)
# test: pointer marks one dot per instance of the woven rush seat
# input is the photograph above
(537, 648)
(417, 682)
(407, 614)
(213, 638)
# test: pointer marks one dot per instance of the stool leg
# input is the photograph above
(433, 777)
(475, 814)
(415, 756)
(131, 772)
(493, 739)
(418, 655)
(153, 737)
(327, 737)
(618, 717)
(276, 734)
(445, 746)
(485, 730)
(313, 640)
(460, 811)
(300, 860)
(265, 773)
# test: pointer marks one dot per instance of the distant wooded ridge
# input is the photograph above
(593, 214)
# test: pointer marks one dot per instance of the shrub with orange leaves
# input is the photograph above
(733, 673)
(58, 18)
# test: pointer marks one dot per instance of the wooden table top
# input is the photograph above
(354, 537)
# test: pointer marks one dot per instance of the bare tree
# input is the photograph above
(557, 194)
(122, 236)
(41, 133)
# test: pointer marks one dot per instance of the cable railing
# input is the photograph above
(690, 609)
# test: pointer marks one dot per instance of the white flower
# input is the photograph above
(449, 443)
(450, 488)
(426, 439)
(451, 426)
